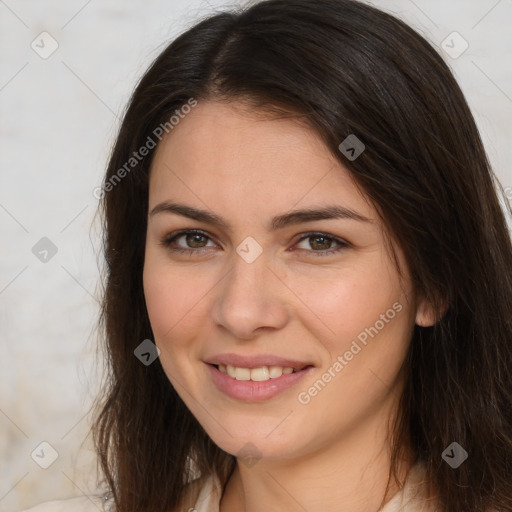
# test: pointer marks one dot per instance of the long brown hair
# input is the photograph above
(346, 68)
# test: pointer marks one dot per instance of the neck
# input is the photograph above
(350, 475)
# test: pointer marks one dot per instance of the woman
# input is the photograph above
(309, 293)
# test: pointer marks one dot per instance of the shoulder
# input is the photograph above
(79, 504)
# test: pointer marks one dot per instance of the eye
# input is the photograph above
(323, 241)
(194, 238)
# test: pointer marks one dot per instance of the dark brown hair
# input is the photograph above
(346, 68)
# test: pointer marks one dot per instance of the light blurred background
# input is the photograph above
(58, 118)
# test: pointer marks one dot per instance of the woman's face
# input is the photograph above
(263, 286)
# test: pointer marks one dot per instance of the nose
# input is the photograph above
(251, 297)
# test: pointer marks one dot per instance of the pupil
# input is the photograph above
(325, 240)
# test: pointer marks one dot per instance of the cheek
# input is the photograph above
(370, 328)
(167, 300)
(344, 303)
(160, 300)
(176, 302)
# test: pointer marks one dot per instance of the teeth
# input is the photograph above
(275, 372)
(260, 374)
(242, 373)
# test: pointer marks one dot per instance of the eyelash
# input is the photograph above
(169, 239)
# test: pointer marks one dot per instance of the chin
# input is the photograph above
(248, 439)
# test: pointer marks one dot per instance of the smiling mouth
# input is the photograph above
(259, 374)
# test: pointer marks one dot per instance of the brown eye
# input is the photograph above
(194, 241)
(320, 243)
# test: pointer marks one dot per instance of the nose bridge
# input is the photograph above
(248, 298)
(244, 283)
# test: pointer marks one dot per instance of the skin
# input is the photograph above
(333, 452)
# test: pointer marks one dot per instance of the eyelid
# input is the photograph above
(324, 234)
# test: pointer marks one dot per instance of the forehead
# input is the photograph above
(225, 156)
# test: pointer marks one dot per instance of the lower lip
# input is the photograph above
(252, 391)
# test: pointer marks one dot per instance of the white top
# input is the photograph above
(409, 499)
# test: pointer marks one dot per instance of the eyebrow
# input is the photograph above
(278, 222)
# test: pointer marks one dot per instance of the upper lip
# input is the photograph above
(256, 361)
